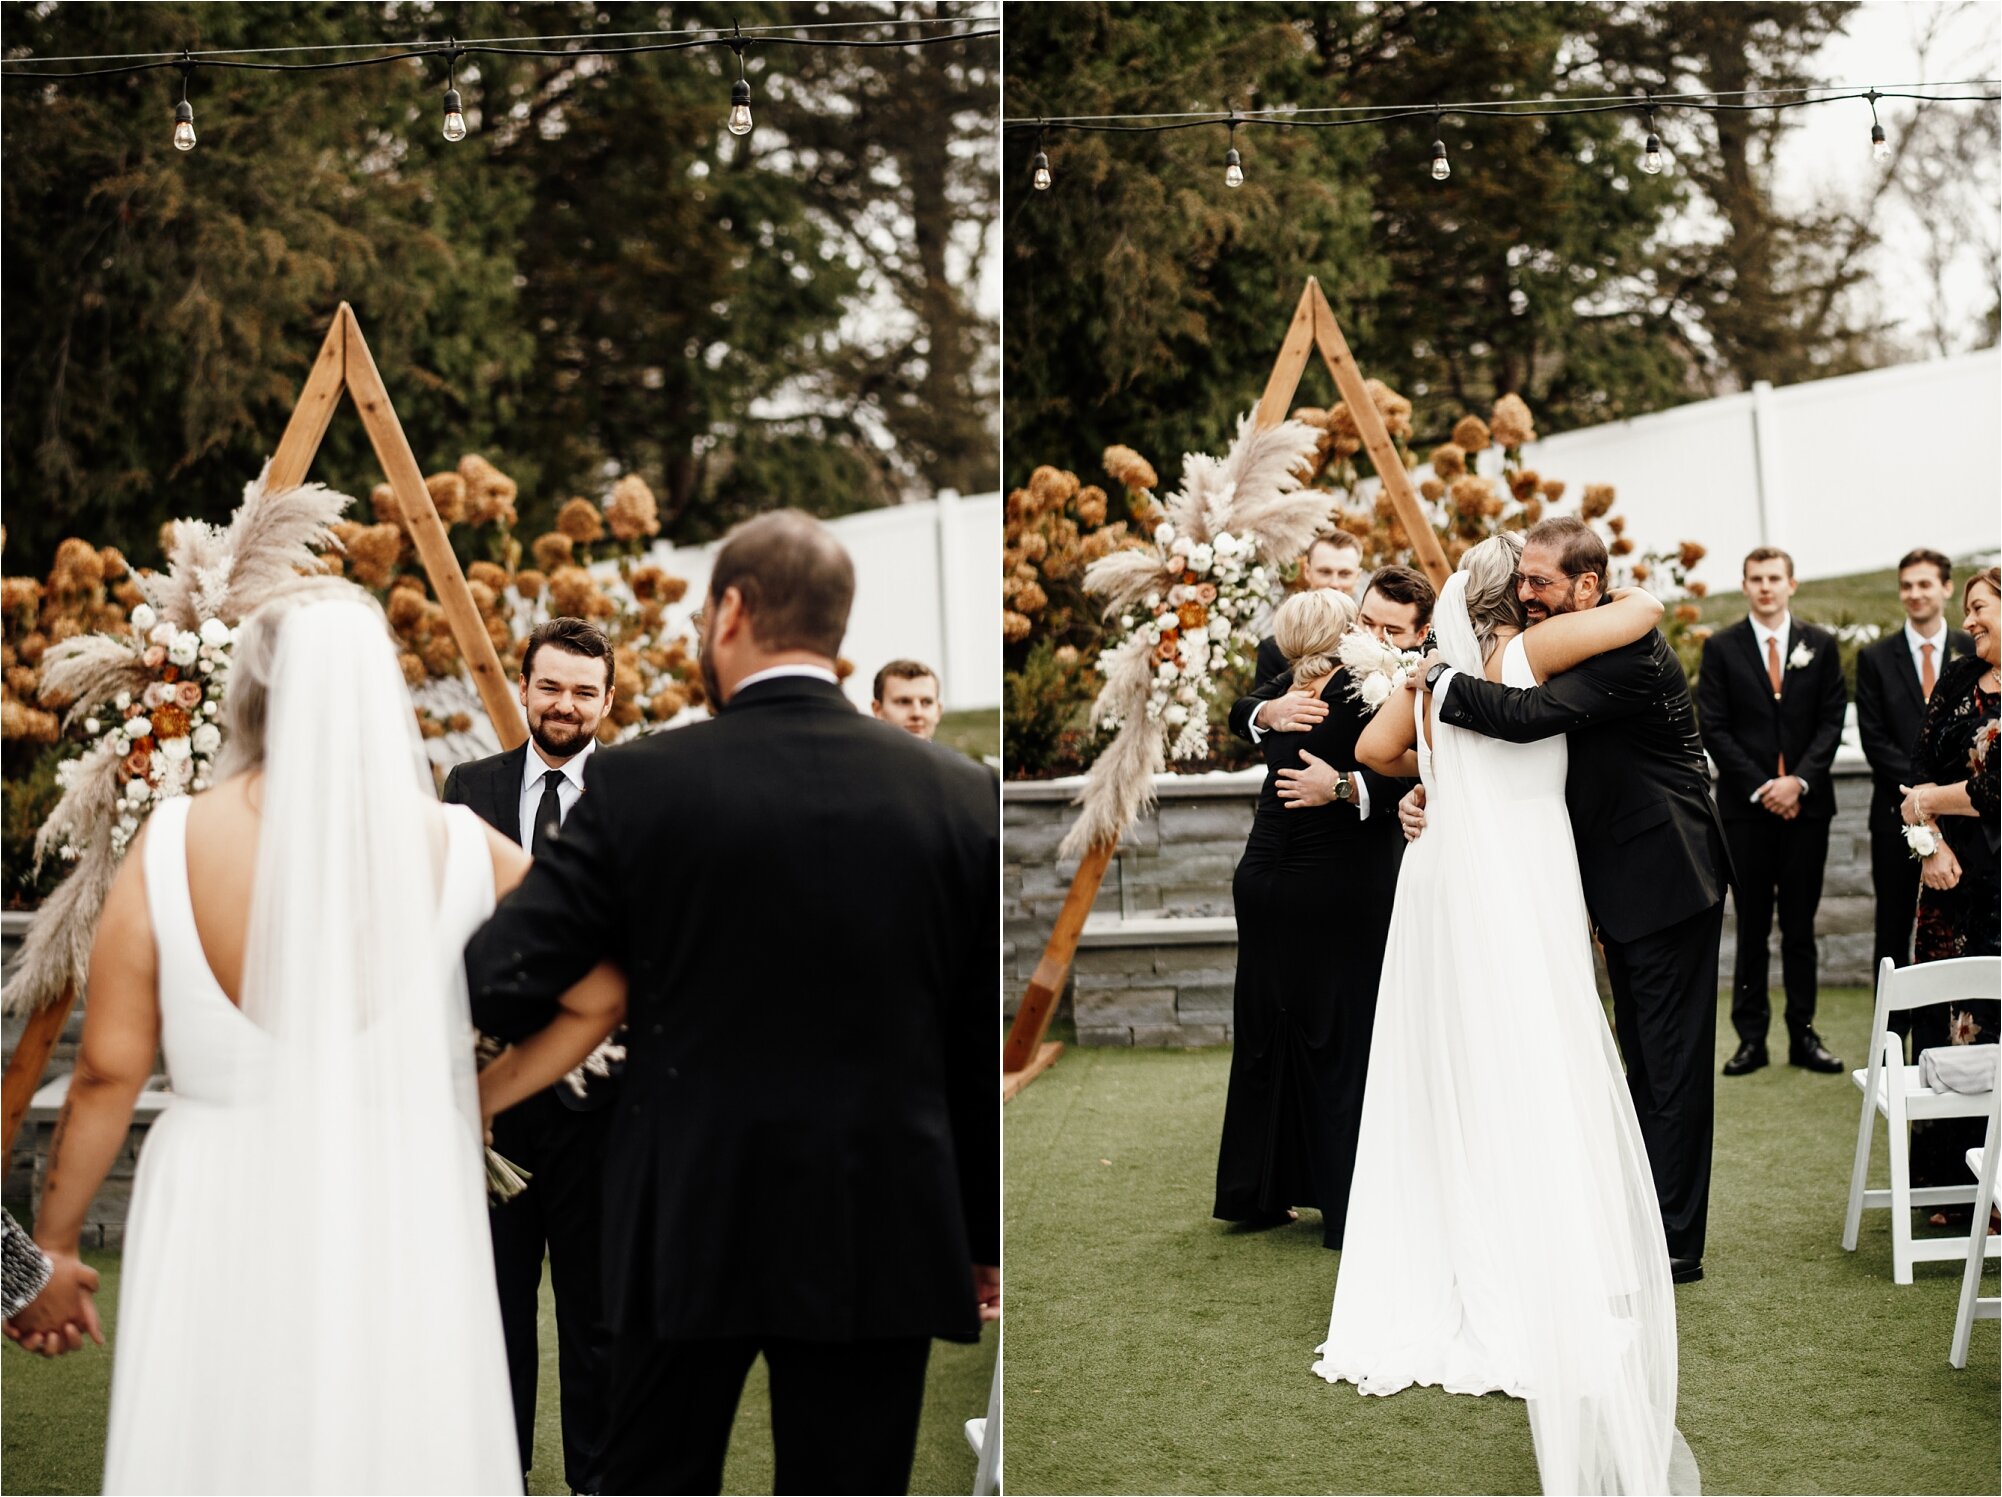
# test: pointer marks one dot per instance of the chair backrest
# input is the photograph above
(1937, 982)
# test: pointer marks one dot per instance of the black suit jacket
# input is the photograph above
(806, 905)
(492, 787)
(1650, 849)
(1891, 704)
(1271, 663)
(1746, 730)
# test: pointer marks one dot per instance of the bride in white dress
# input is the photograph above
(308, 1291)
(1503, 1230)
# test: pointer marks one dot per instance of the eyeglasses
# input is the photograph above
(1538, 584)
(698, 618)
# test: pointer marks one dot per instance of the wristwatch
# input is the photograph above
(1432, 676)
(1345, 787)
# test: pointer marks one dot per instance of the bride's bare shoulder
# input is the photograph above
(1491, 664)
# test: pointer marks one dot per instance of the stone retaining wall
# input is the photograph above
(1141, 979)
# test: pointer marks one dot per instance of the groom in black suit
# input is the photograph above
(1651, 856)
(1894, 680)
(804, 1162)
(1770, 701)
(558, 1137)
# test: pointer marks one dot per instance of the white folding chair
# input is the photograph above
(984, 1435)
(1898, 1092)
(1980, 1246)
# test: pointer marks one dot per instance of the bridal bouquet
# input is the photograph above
(1375, 669)
(163, 734)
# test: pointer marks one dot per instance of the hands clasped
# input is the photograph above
(57, 1319)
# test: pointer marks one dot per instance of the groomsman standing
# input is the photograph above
(1332, 560)
(559, 1137)
(1770, 702)
(1894, 680)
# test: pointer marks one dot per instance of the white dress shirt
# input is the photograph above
(533, 768)
(1913, 639)
(774, 672)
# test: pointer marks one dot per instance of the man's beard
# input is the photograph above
(558, 748)
(1538, 610)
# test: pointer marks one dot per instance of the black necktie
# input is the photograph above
(548, 815)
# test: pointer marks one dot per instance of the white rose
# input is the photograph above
(174, 748)
(1224, 542)
(121, 744)
(1921, 841)
(1186, 692)
(138, 727)
(1151, 601)
(144, 618)
(1166, 672)
(1201, 557)
(137, 791)
(1164, 534)
(1176, 714)
(1219, 626)
(90, 726)
(1166, 621)
(1126, 621)
(214, 633)
(162, 634)
(1177, 595)
(184, 648)
(207, 738)
(208, 709)
(122, 700)
(1182, 546)
(1374, 690)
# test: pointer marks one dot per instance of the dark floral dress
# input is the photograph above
(1957, 742)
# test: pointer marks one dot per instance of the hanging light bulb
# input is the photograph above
(1653, 160)
(455, 117)
(184, 112)
(1233, 164)
(1441, 168)
(740, 107)
(1880, 148)
(1039, 172)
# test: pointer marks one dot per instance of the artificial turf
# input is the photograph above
(1152, 1349)
(52, 1414)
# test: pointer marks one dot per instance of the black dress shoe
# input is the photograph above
(1751, 1055)
(1686, 1270)
(1810, 1054)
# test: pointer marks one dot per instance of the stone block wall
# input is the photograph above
(1159, 953)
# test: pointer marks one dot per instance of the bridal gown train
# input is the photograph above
(1503, 1232)
(267, 1340)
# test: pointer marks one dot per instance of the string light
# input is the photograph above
(1880, 148)
(184, 114)
(1233, 166)
(455, 117)
(740, 92)
(1652, 159)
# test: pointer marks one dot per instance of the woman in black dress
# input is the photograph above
(1313, 894)
(1954, 792)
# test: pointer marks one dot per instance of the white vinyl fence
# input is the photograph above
(1846, 474)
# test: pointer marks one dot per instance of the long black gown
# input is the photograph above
(1313, 893)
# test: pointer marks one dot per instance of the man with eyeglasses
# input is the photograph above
(1651, 856)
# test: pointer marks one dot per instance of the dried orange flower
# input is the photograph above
(1522, 483)
(170, 720)
(1091, 504)
(373, 554)
(631, 511)
(489, 492)
(1513, 424)
(1553, 489)
(552, 551)
(382, 498)
(495, 577)
(1031, 598)
(1449, 460)
(580, 521)
(448, 497)
(1393, 407)
(529, 582)
(1471, 434)
(1474, 495)
(1598, 499)
(1432, 489)
(1067, 656)
(24, 724)
(1051, 488)
(1130, 468)
(1621, 546)
(1689, 553)
(1193, 616)
(1642, 571)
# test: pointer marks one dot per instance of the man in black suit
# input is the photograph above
(558, 1137)
(1651, 856)
(804, 1161)
(1397, 608)
(1332, 560)
(1770, 699)
(1894, 680)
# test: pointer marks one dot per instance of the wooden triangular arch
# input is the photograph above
(1025, 1054)
(343, 366)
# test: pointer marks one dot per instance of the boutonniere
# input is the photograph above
(1800, 658)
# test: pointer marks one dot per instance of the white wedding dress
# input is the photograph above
(1503, 1232)
(308, 1301)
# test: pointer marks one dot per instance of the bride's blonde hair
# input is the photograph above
(1492, 604)
(1309, 628)
(253, 666)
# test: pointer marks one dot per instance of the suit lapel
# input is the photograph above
(1758, 659)
(504, 792)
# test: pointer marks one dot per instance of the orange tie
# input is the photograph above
(1773, 675)
(1925, 668)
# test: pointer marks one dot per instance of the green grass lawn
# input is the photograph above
(976, 731)
(52, 1415)
(1152, 1349)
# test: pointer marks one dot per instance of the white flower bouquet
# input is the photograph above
(1375, 669)
(1922, 840)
